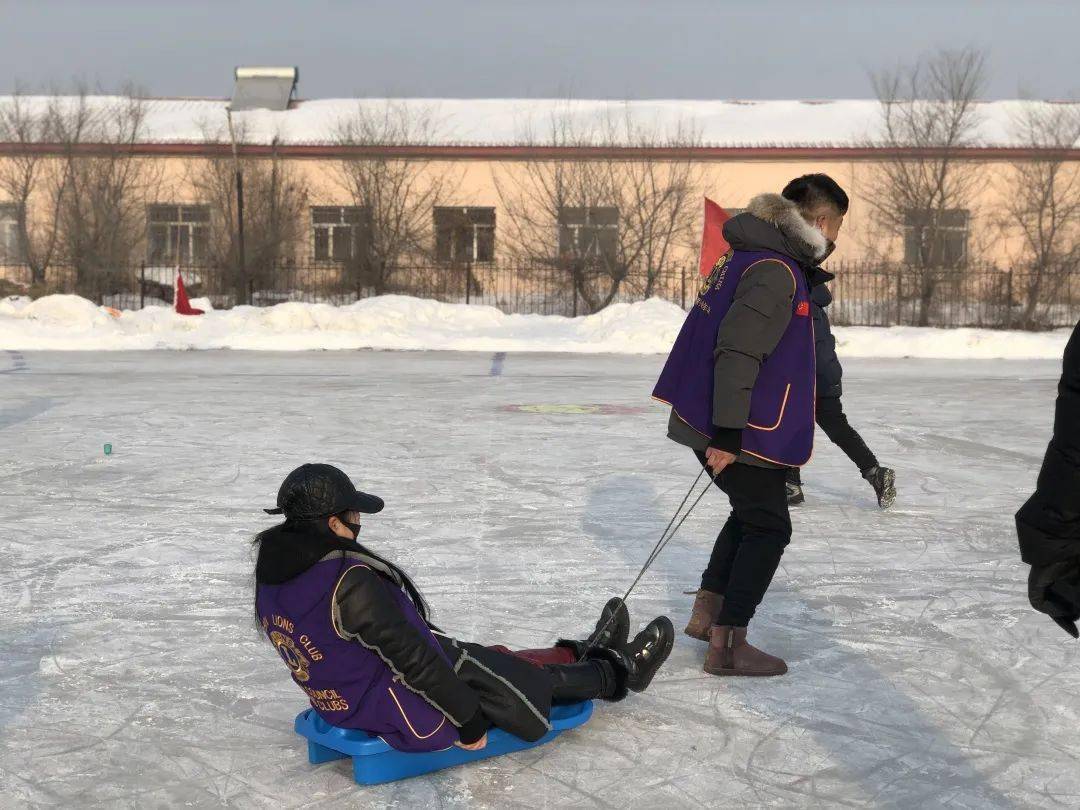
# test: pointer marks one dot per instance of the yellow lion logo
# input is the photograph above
(717, 274)
(291, 655)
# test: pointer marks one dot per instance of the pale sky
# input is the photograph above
(547, 48)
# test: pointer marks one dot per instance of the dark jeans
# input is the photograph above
(748, 548)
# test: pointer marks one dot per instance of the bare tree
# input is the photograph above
(1042, 202)
(925, 186)
(34, 181)
(275, 201)
(609, 216)
(104, 190)
(659, 199)
(563, 214)
(394, 190)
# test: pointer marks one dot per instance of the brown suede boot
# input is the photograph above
(703, 615)
(730, 654)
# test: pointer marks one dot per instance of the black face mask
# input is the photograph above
(354, 528)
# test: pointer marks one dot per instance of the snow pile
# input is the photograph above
(67, 322)
(57, 310)
(971, 344)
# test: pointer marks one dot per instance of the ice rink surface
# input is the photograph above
(132, 674)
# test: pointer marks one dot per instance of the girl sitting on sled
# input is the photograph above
(353, 630)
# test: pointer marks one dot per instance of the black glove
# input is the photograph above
(1054, 589)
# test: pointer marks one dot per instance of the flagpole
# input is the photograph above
(239, 207)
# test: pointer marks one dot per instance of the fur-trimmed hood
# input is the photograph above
(772, 222)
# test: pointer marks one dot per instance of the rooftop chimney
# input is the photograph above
(263, 88)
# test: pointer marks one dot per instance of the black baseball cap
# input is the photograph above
(321, 490)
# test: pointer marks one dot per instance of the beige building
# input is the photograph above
(487, 158)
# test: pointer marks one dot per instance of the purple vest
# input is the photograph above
(781, 423)
(346, 683)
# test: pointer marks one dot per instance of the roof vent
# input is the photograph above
(264, 88)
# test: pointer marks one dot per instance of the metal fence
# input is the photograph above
(985, 297)
(864, 294)
(525, 288)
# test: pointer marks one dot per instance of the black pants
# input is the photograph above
(587, 680)
(832, 419)
(748, 548)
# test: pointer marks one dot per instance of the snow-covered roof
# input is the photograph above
(510, 122)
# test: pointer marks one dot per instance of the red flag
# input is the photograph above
(713, 244)
(181, 303)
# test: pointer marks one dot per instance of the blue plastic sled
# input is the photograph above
(375, 762)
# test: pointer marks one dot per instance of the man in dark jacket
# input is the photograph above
(1048, 525)
(740, 380)
(830, 411)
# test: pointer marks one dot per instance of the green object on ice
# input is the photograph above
(108, 449)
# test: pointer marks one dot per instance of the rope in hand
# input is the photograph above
(665, 538)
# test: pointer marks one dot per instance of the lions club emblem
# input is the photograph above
(291, 654)
(718, 273)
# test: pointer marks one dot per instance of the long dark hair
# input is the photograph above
(417, 598)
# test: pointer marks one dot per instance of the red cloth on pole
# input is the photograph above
(181, 303)
(713, 244)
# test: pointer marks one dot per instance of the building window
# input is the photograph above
(177, 234)
(940, 243)
(340, 233)
(590, 232)
(465, 234)
(11, 251)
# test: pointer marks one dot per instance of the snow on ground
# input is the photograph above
(132, 674)
(67, 322)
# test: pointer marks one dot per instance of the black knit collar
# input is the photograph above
(291, 548)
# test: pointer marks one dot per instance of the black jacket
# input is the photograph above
(829, 370)
(479, 683)
(1048, 525)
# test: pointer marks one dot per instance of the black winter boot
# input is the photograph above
(628, 668)
(612, 629)
(793, 484)
(883, 480)
(648, 652)
(794, 494)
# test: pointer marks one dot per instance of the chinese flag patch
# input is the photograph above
(803, 308)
